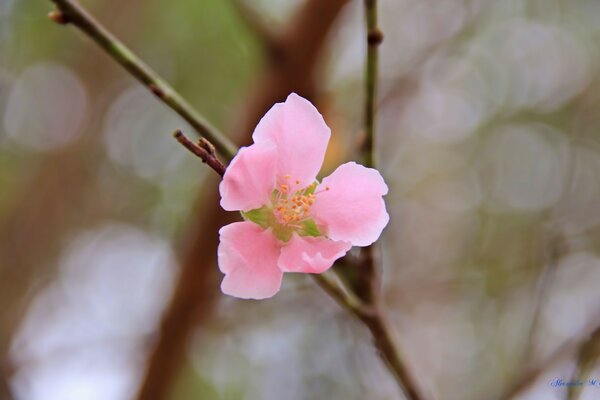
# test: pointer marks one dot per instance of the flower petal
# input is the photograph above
(248, 257)
(301, 136)
(311, 255)
(250, 178)
(352, 209)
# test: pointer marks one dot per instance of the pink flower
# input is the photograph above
(293, 223)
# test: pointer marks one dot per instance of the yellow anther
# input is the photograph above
(292, 204)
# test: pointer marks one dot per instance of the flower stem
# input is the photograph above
(69, 12)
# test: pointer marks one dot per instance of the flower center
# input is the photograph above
(289, 210)
(292, 208)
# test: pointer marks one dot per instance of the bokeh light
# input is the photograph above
(46, 108)
(487, 135)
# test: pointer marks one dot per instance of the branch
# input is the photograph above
(587, 356)
(375, 320)
(69, 12)
(259, 26)
(203, 149)
(569, 347)
(374, 39)
(197, 286)
(331, 284)
(368, 282)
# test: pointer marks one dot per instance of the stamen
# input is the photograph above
(326, 189)
(292, 204)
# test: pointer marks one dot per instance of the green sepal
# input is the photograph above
(260, 216)
(311, 189)
(309, 228)
(281, 232)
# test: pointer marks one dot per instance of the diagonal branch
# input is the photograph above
(531, 376)
(69, 12)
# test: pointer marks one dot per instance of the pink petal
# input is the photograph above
(301, 136)
(250, 178)
(353, 208)
(248, 257)
(309, 254)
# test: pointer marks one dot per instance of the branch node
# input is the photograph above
(59, 17)
(157, 91)
(374, 37)
(206, 145)
(203, 150)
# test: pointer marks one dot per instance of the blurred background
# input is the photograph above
(488, 136)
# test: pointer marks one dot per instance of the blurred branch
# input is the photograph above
(69, 12)
(259, 26)
(530, 377)
(545, 281)
(587, 357)
(202, 149)
(197, 286)
(193, 300)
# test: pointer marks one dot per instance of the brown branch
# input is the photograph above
(203, 150)
(193, 300)
(197, 287)
(259, 26)
(296, 67)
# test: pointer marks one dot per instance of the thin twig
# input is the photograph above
(368, 284)
(374, 39)
(203, 149)
(69, 12)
